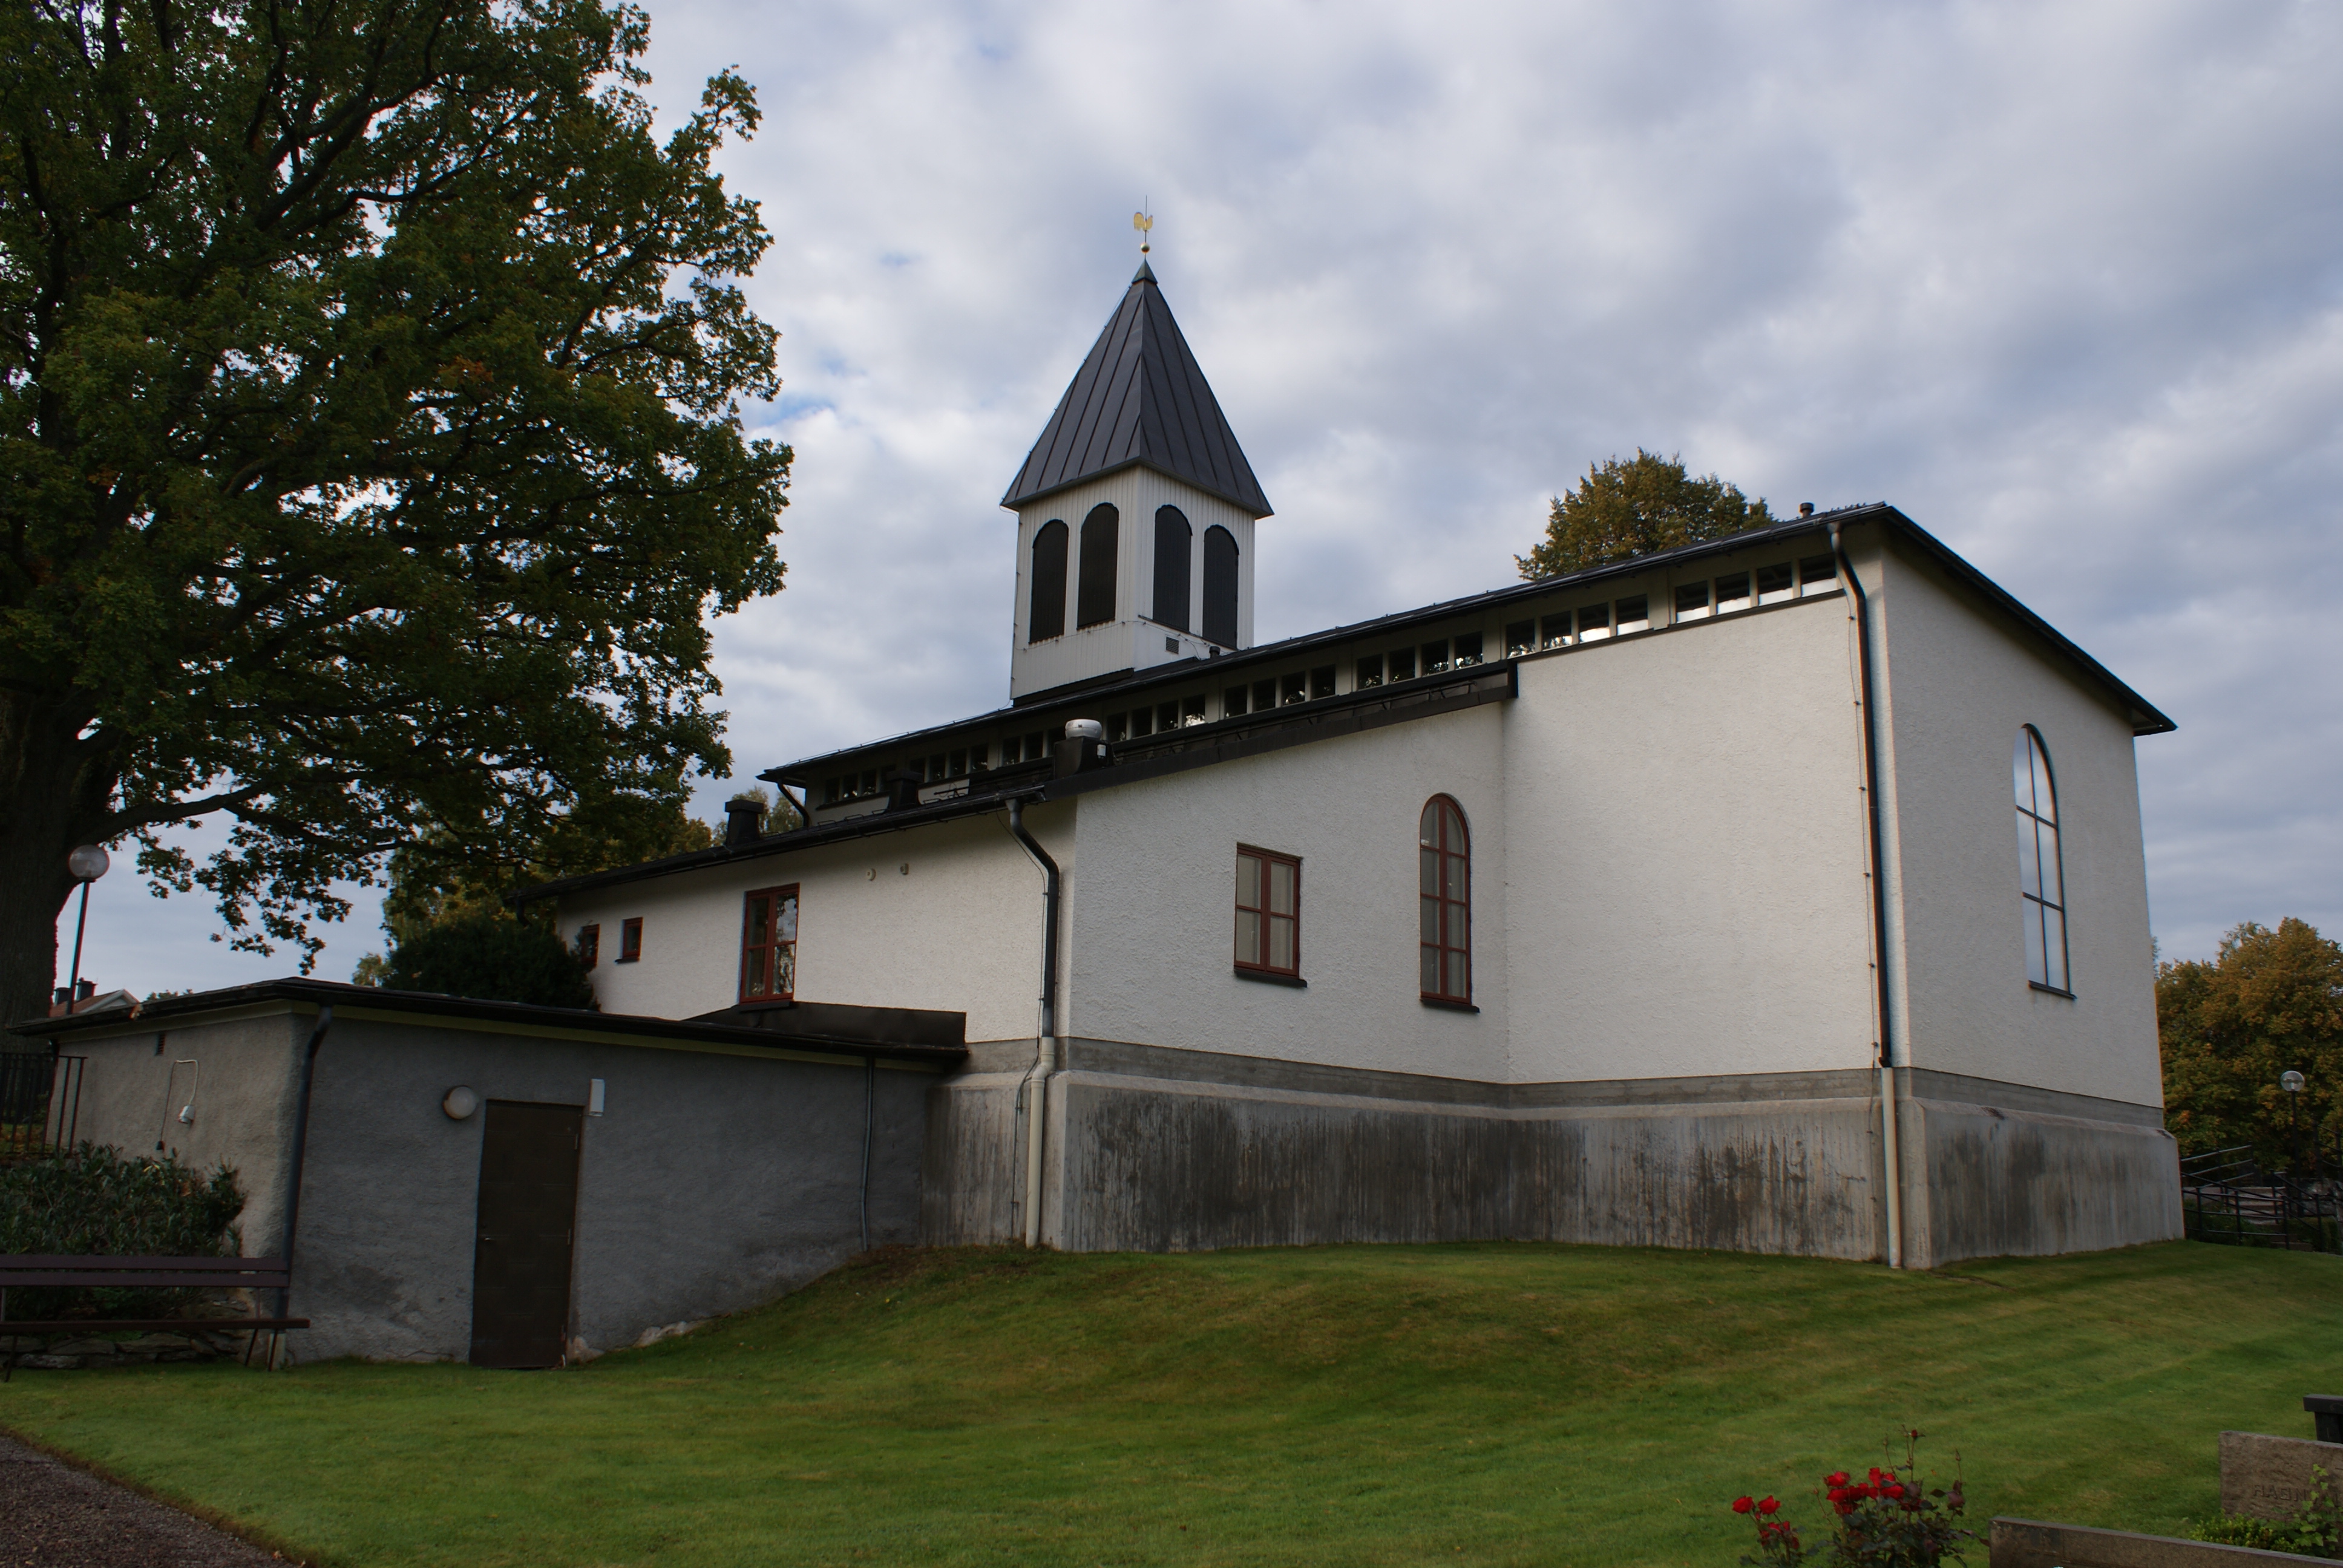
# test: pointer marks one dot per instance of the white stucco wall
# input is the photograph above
(960, 931)
(1958, 681)
(1153, 940)
(1687, 892)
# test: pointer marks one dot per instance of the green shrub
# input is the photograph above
(2311, 1533)
(493, 958)
(90, 1202)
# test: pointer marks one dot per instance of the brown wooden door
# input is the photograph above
(528, 1223)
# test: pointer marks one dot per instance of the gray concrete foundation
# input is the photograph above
(1154, 1149)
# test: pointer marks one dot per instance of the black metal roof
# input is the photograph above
(526, 1016)
(1087, 699)
(1139, 398)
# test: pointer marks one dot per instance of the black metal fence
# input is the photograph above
(2227, 1198)
(40, 1102)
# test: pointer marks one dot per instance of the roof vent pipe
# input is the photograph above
(744, 822)
(1806, 509)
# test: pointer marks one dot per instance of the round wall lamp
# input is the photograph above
(460, 1103)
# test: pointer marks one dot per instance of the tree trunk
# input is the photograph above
(56, 792)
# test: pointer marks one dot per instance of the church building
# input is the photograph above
(1783, 892)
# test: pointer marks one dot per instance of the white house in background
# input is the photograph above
(1783, 894)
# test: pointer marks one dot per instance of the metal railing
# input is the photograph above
(2227, 1198)
(40, 1102)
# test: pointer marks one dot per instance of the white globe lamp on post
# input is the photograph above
(87, 864)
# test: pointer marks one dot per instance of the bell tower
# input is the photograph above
(1135, 514)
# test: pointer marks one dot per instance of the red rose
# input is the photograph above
(1768, 1505)
(1894, 1492)
(1836, 1478)
(1742, 1505)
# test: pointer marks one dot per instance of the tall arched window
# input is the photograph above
(1172, 538)
(1045, 615)
(2041, 876)
(1445, 897)
(1219, 585)
(1094, 593)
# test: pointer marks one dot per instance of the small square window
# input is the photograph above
(1293, 689)
(1037, 746)
(869, 782)
(1371, 672)
(959, 765)
(829, 791)
(1557, 631)
(1167, 716)
(939, 767)
(1817, 574)
(589, 945)
(1593, 621)
(1117, 726)
(1435, 656)
(1521, 638)
(1468, 650)
(1321, 682)
(1635, 614)
(1191, 710)
(630, 939)
(1233, 702)
(1269, 911)
(1142, 722)
(1776, 583)
(1733, 592)
(1403, 664)
(1692, 600)
(1264, 696)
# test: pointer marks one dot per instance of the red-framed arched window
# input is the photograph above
(1444, 888)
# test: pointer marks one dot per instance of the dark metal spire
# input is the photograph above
(1139, 398)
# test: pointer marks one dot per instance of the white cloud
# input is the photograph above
(2064, 282)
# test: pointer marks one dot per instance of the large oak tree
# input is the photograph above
(2270, 1003)
(369, 454)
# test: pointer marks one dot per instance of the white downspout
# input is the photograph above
(1036, 1088)
(1883, 1047)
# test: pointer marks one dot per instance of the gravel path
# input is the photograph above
(55, 1516)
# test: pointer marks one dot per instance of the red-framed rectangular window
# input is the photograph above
(630, 939)
(589, 945)
(1269, 911)
(769, 944)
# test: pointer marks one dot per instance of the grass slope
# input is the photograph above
(1487, 1404)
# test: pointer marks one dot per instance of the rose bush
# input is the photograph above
(1889, 1519)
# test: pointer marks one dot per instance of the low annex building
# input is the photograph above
(1672, 903)
(519, 1186)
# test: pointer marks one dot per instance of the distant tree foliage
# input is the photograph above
(491, 956)
(1625, 509)
(2271, 1002)
(371, 460)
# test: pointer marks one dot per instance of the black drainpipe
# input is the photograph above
(1045, 1047)
(869, 1092)
(300, 1152)
(1885, 1046)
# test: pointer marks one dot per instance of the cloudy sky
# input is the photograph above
(2065, 282)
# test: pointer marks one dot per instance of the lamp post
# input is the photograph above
(2292, 1083)
(87, 864)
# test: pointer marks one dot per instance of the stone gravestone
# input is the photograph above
(2273, 1477)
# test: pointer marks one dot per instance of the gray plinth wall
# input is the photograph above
(1150, 1148)
(720, 1171)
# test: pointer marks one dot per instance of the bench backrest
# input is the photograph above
(27, 1270)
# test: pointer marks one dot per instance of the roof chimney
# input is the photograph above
(1806, 509)
(744, 821)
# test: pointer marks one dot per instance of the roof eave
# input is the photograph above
(1255, 507)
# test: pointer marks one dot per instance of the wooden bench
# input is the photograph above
(33, 1270)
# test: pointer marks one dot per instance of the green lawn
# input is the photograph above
(1473, 1405)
